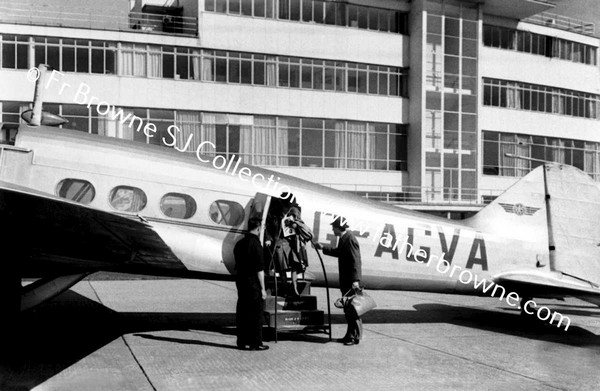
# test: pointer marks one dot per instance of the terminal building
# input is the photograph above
(416, 103)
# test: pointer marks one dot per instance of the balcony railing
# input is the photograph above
(133, 21)
(562, 23)
(421, 195)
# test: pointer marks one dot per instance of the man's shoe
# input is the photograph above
(259, 347)
(243, 347)
(344, 340)
(351, 342)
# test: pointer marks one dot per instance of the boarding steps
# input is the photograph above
(286, 312)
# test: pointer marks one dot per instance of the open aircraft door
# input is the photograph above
(260, 208)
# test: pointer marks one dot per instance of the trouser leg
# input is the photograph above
(358, 328)
(350, 330)
(354, 324)
(240, 324)
(255, 320)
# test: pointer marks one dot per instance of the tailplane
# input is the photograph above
(556, 204)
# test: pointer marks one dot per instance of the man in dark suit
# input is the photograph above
(349, 264)
(250, 283)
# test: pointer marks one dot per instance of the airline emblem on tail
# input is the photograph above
(519, 209)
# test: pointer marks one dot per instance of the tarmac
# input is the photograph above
(179, 335)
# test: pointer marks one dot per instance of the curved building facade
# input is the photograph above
(411, 102)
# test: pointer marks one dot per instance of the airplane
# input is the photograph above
(73, 203)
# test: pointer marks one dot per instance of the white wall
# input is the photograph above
(348, 179)
(536, 69)
(540, 124)
(194, 95)
(260, 35)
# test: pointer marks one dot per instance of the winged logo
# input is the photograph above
(519, 209)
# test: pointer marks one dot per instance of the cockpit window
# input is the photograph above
(178, 206)
(226, 212)
(76, 190)
(128, 199)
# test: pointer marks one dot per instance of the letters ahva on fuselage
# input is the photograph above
(388, 242)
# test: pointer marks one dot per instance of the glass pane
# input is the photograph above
(259, 72)
(127, 199)
(234, 70)
(259, 8)
(77, 190)
(82, 59)
(178, 206)
(226, 212)
(307, 10)
(451, 45)
(434, 24)
(97, 60)
(312, 147)
(53, 57)
(295, 10)
(68, 58)
(246, 72)
(234, 6)
(246, 7)
(452, 27)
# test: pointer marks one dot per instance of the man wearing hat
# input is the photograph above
(349, 264)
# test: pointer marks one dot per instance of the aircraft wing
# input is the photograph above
(539, 283)
(49, 235)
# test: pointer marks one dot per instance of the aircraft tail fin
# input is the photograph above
(557, 205)
(519, 212)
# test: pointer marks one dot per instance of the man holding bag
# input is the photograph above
(349, 264)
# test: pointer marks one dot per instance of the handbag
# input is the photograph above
(360, 303)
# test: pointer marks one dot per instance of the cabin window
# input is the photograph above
(128, 199)
(178, 206)
(226, 212)
(76, 190)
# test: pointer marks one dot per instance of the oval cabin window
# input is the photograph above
(127, 199)
(76, 190)
(178, 206)
(226, 212)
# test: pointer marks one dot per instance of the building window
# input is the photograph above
(316, 11)
(450, 102)
(524, 96)
(15, 51)
(536, 149)
(70, 55)
(127, 199)
(307, 142)
(77, 190)
(11, 111)
(524, 41)
(180, 63)
(178, 206)
(258, 140)
(226, 212)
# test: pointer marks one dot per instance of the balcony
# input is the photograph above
(416, 197)
(139, 22)
(562, 23)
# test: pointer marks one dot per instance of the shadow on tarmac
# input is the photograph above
(69, 328)
(185, 341)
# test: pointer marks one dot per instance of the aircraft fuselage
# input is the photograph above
(203, 242)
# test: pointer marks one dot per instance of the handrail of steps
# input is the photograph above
(326, 288)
